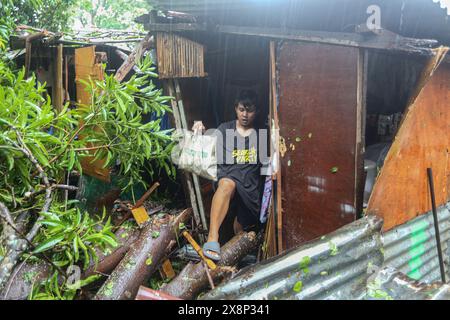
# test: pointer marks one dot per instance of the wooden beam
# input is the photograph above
(173, 27)
(386, 40)
(134, 56)
(124, 57)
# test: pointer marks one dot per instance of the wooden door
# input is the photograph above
(320, 92)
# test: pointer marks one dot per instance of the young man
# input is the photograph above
(238, 173)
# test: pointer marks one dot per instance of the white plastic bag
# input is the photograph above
(198, 155)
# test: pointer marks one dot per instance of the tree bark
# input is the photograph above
(142, 259)
(193, 278)
(108, 261)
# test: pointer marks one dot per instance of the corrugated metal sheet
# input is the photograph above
(390, 284)
(411, 247)
(333, 267)
(205, 7)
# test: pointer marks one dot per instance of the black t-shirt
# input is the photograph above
(238, 159)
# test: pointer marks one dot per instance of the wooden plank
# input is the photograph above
(86, 68)
(318, 104)
(360, 130)
(401, 191)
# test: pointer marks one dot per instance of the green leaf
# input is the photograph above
(71, 160)
(82, 283)
(48, 244)
(155, 234)
(298, 286)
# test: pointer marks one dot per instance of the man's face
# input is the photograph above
(245, 116)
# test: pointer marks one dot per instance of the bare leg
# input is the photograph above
(219, 207)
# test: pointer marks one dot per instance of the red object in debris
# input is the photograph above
(150, 294)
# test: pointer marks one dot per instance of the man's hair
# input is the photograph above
(248, 99)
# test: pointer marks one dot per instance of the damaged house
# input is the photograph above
(358, 117)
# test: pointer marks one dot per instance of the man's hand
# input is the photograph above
(198, 127)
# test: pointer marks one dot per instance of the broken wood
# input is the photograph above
(124, 57)
(147, 194)
(167, 271)
(193, 278)
(199, 250)
(143, 258)
(134, 56)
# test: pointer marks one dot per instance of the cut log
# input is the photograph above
(143, 258)
(193, 278)
(107, 261)
(28, 273)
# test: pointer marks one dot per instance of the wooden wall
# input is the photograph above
(401, 192)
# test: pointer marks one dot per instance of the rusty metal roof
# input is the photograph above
(426, 19)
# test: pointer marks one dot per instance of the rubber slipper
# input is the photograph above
(214, 247)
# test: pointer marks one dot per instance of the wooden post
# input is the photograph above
(197, 188)
(58, 82)
(186, 176)
(274, 110)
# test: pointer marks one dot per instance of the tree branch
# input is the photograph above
(17, 247)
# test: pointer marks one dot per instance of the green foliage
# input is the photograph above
(114, 123)
(54, 15)
(72, 236)
(118, 109)
(55, 289)
(111, 14)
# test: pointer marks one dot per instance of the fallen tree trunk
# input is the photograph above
(193, 278)
(25, 275)
(109, 260)
(142, 259)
